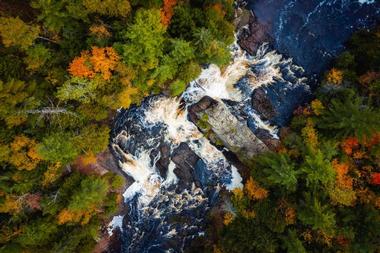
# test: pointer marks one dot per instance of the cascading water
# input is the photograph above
(177, 172)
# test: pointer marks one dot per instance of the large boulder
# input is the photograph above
(262, 104)
(277, 102)
(213, 115)
(251, 38)
(185, 161)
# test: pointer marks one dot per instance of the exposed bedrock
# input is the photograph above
(212, 115)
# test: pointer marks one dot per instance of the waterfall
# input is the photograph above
(153, 141)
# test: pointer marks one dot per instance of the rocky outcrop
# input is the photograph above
(277, 102)
(185, 160)
(254, 36)
(267, 138)
(235, 135)
(162, 163)
(262, 104)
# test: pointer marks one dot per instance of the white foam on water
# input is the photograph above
(171, 177)
(236, 182)
(366, 1)
(173, 116)
(117, 222)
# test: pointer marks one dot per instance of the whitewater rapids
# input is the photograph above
(165, 214)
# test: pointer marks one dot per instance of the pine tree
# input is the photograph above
(277, 170)
(349, 116)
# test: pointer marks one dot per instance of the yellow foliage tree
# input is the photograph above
(52, 173)
(335, 76)
(24, 153)
(88, 159)
(254, 191)
(290, 215)
(125, 97)
(99, 31)
(66, 216)
(14, 32)
(69, 216)
(116, 8)
(228, 218)
(11, 204)
(310, 134)
(317, 107)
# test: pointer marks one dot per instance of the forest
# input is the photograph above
(66, 67)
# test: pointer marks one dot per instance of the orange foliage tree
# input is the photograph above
(349, 145)
(99, 61)
(218, 8)
(342, 179)
(167, 11)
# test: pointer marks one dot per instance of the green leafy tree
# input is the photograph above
(92, 139)
(58, 147)
(181, 52)
(145, 40)
(90, 195)
(318, 170)
(36, 57)
(177, 87)
(217, 53)
(58, 14)
(38, 233)
(16, 98)
(79, 89)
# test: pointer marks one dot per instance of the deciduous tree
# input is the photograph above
(15, 32)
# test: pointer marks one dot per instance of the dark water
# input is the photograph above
(165, 216)
(313, 32)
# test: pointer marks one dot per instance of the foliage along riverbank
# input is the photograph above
(320, 192)
(66, 67)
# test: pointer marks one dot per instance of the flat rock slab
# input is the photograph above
(235, 135)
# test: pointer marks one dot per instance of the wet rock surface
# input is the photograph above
(277, 102)
(251, 38)
(262, 104)
(186, 161)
